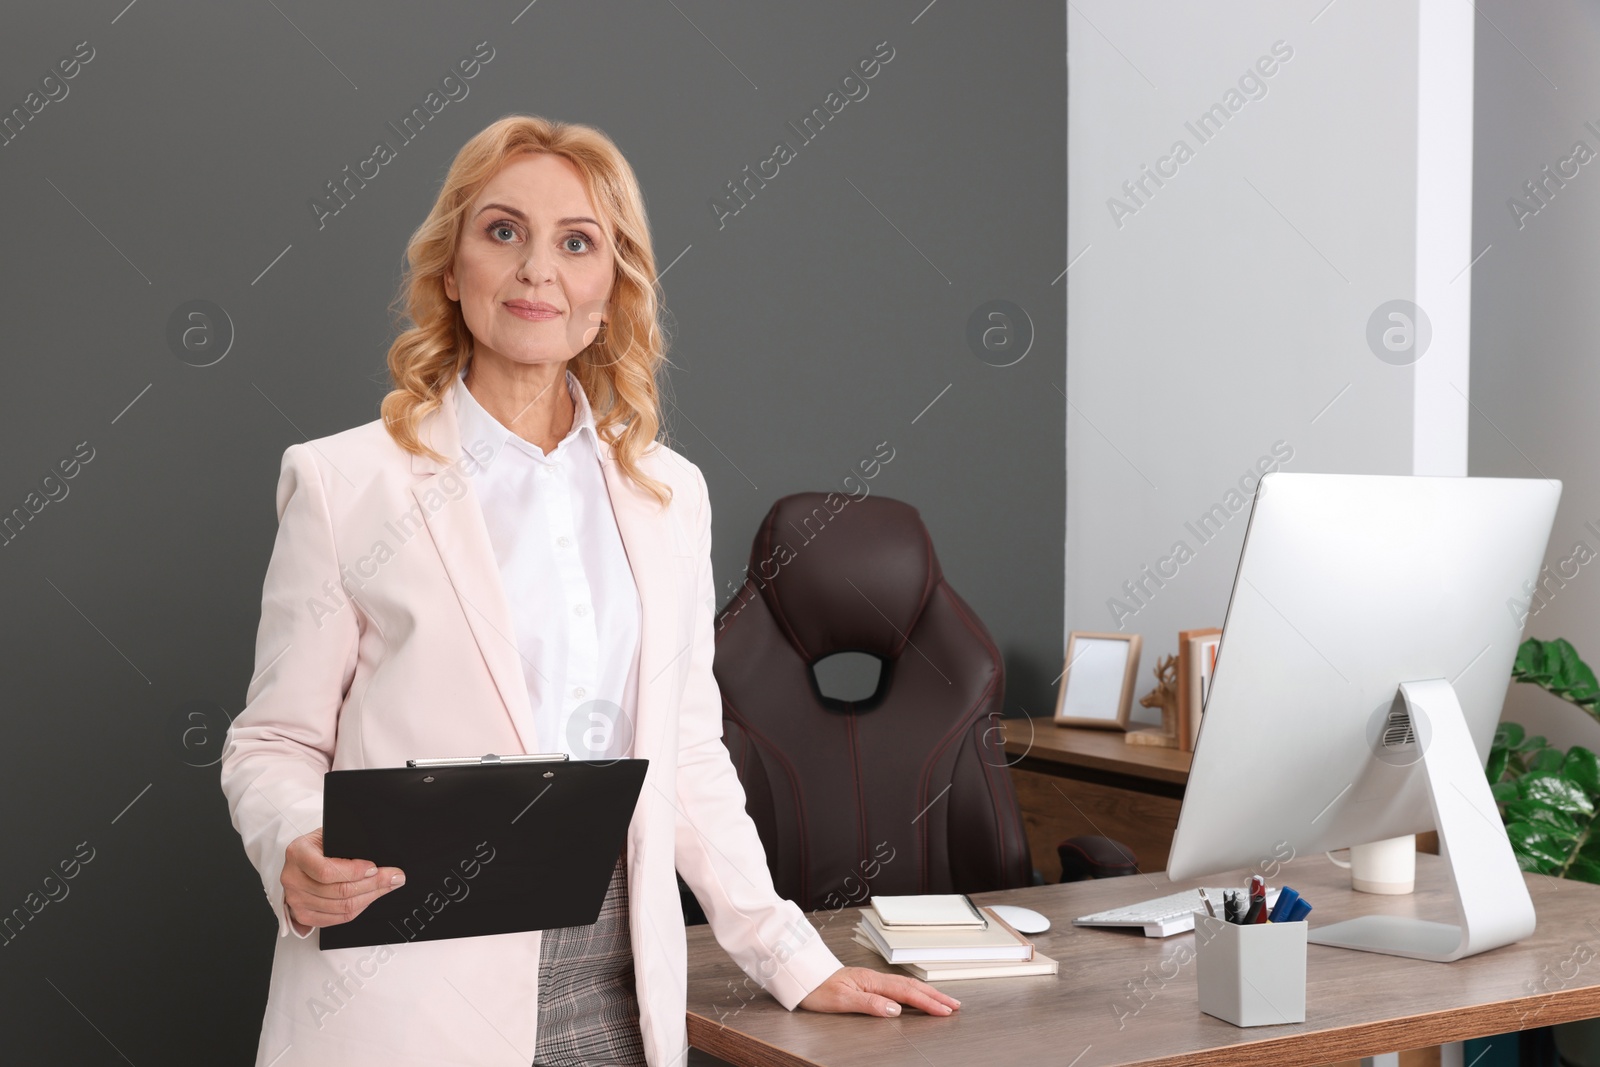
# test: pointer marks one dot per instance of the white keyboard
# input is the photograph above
(1163, 916)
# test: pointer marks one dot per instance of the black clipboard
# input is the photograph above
(489, 845)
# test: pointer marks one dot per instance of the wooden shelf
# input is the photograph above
(1101, 750)
(1073, 780)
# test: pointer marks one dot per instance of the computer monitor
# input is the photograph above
(1363, 663)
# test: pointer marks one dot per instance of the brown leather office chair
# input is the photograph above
(905, 791)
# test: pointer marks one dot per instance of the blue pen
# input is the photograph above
(1302, 908)
(1287, 899)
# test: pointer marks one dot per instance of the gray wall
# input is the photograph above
(1534, 313)
(822, 319)
(1228, 312)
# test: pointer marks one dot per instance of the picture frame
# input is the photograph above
(1097, 680)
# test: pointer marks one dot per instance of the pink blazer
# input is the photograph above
(420, 661)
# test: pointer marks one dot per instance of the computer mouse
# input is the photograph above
(1023, 920)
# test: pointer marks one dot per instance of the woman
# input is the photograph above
(509, 561)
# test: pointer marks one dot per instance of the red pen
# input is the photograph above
(1258, 900)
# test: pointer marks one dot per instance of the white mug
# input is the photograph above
(1388, 866)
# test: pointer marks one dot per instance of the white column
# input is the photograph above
(1444, 230)
(1444, 235)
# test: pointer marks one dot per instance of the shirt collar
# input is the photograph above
(478, 426)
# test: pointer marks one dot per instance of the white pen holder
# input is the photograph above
(1251, 975)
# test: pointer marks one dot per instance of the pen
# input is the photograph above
(1230, 906)
(1302, 908)
(1287, 899)
(1258, 901)
(981, 916)
(1207, 902)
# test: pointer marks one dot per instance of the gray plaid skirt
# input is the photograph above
(588, 1009)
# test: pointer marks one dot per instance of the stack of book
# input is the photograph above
(944, 937)
(1197, 659)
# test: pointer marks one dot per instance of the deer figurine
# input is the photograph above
(1165, 697)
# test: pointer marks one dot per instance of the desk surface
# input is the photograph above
(1122, 998)
(1102, 750)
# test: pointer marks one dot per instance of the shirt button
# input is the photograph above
(545, 470)
(563, 541)
(582, 609)
(579, 692)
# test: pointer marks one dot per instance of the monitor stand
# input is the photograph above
(1491, 896)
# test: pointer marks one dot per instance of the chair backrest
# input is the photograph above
(907, 791)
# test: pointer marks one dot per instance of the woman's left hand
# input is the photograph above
(869, 992)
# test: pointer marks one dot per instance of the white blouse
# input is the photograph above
(574, 604)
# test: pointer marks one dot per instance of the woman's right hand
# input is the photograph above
(322, 891)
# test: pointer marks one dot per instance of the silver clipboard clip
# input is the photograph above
(489, 759)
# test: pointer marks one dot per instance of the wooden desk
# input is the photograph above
(1072, 780)
(1122, 998)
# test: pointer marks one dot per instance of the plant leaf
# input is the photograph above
(1547, 761)
(1554, 821)
(1577, 679)
(1555, 665)
(1580, 768)
(1591, 847)
(1504, 792)
(1566, 657)
(1550, 666)
(1584, 870)
(1534, 848)
(1556, 792)
(1509, 735)
(1527, 657)
(1496, 767)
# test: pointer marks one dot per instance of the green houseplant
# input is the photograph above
(1547, 797)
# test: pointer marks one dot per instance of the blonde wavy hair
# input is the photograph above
(617, 370)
